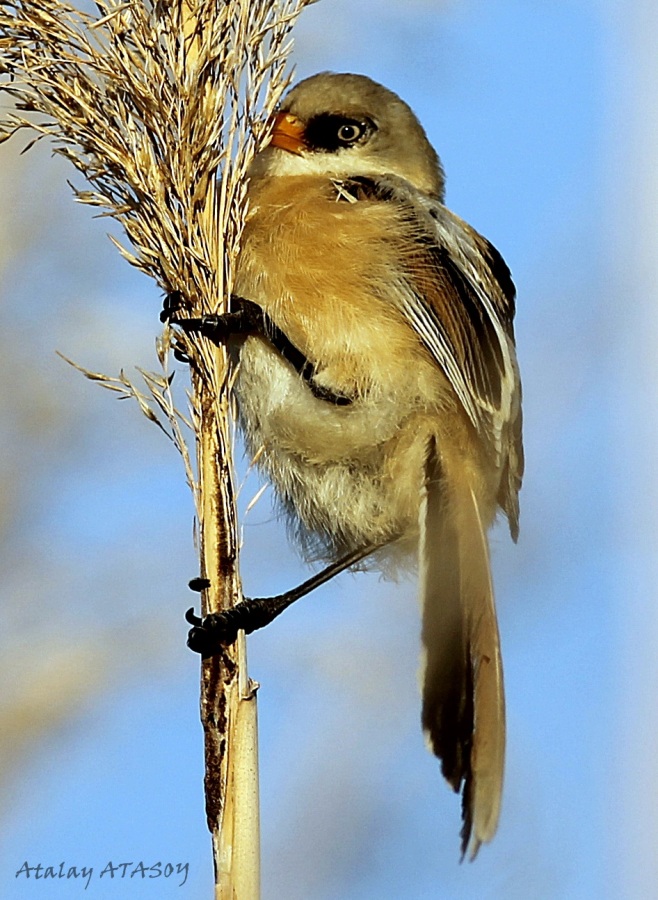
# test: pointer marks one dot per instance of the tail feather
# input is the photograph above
(463, 698)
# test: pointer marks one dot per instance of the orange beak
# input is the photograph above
(288, 133)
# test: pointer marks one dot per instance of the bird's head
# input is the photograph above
(346, 126)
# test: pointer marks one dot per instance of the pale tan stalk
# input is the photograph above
(151, 102)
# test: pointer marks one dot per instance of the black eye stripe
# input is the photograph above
(329, 132)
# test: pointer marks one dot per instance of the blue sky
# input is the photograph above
(523, 102)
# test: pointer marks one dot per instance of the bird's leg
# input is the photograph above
(217, 630)
(244, 318)
(247, 318)
(208, 635)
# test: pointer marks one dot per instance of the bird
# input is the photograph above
(377, 386)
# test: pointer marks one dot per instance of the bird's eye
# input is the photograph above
(349, 132)
(329, 132)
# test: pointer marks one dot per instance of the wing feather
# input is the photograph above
(456, 292)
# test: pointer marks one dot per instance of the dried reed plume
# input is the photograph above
(161, 106)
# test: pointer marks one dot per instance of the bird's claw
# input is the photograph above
(211, 634)
(215, 327)
(173, 302)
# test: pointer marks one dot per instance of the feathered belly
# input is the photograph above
(349, 475)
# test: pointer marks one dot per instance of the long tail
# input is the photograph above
(463, 696)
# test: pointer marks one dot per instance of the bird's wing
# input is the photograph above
(456, 292)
